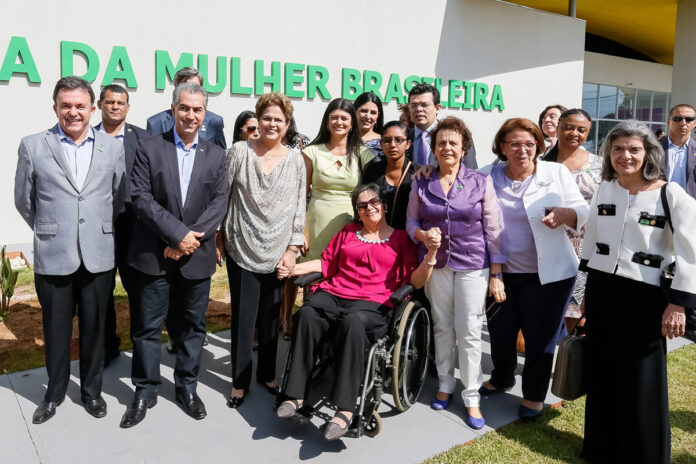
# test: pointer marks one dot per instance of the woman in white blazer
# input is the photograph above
(536, 199)
(638, 225)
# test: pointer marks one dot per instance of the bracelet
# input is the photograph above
(498, 275)
(432, 263)
(291, 250)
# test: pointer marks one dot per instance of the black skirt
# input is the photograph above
(626, 414)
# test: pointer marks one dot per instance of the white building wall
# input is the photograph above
(536, 57)
(624, 72)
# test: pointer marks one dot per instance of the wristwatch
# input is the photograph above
(499, 275)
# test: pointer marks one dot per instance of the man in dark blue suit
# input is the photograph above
(114, 105)
(679, 165)
(212, 127)
(179, 191)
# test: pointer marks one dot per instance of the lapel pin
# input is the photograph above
(203, 128)
(129, 129)
(100, 148)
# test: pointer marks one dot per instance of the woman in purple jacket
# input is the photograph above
(462, 204)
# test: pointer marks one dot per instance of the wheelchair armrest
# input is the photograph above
(400, 295)
(304, 280)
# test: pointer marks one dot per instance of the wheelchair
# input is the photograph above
(396, 363)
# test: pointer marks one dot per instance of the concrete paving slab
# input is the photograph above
(251, 433)
(16, 444)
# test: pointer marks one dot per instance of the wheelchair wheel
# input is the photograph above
(374, 425)
(410, 356)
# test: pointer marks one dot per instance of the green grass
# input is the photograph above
(25, 277)
(22, 360)
(557, 436)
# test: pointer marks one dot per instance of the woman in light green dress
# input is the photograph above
(334, 161)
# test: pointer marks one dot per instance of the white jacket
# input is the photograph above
(637, 243)
(554, 186)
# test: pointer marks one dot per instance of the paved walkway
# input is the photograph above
(251, 434)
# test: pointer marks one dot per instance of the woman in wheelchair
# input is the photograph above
(362, 266)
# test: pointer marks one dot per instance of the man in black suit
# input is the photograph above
(179, 191)
(423, 106)
(679, 165)
(114, 105)
(212, 127)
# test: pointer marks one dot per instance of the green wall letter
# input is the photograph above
(67, 53)
(260, 79)
(497, 98)
(119, 59)
(468, 95)
(221, 74)
(481, 96)
(236, 87)
(317, 77)
(454, 90)
(372, 81)
(18, 48)
(410, 82)
(165, 68)
(292, 79)
(350, 83)
(394, 90)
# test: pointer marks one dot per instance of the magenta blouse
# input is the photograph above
(357, 270)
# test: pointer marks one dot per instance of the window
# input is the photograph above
(607, 105)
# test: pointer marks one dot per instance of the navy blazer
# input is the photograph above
(163, 219)
(211, 129)
(125, 222)
(690, 164)
(469, 159)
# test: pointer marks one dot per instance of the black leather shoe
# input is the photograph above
(136, 412)
(96, 407)
(45, 411)
(235, 401)
(192, 405)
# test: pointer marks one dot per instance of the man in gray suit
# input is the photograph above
(68, 188)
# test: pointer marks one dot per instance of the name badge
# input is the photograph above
(652, 220)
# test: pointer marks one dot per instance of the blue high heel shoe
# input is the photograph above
(439, 405)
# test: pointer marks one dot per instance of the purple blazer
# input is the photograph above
(467, 216)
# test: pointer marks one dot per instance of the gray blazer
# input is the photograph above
(71, 226)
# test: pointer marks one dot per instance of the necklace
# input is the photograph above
(358, 233)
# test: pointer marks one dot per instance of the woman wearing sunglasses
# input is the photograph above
(393, 172)
(461, 204)
(246, 127)
(362, 266)
(537, 199)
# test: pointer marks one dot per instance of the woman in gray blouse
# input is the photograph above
(262, 230)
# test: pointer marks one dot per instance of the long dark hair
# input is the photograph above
(324, 136)
(243, 117)
(371, 97)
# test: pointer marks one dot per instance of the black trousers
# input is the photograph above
(354, 325)
(255, 300)
(129, 279)
(537, 310)
(59, 296)
(190, 304)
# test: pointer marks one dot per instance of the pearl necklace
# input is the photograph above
(367, 240)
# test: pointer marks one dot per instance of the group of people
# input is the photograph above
(372, 206)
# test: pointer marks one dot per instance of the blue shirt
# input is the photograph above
(677, 162)
(185, 158)
(121, 133)
(79, 157)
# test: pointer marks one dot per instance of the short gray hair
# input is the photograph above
(652, 163)
(186, 73)
(189, 87)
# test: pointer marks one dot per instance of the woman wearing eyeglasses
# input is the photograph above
(460, 204)
(362, 266)
(537, 199)
(246, 127)
(393, 173)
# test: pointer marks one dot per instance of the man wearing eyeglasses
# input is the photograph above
(424, 105)
(679, 165)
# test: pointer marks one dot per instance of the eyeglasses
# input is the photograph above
(397, 140)
(518, 145)
(251, 129)
(686, 118)
(416, 106)
(362, 206)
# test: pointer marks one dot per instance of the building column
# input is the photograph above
(684, 68)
